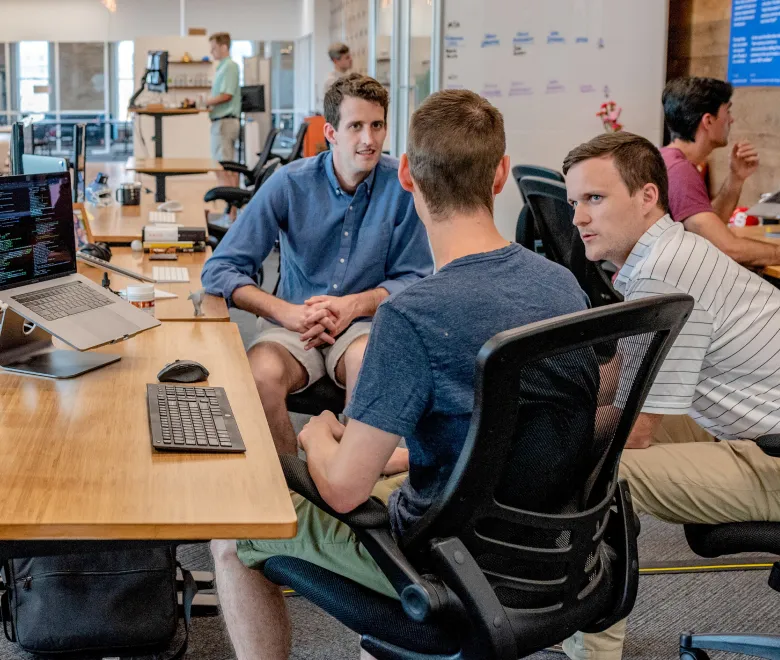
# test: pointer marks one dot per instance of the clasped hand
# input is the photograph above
(321, 319)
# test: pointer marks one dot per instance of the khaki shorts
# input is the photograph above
(224, 134)
(317, 362)
(326, 542)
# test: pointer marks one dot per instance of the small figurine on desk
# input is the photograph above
(197, 301)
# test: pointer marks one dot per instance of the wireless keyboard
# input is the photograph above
(162, 218)
(192, 419)
(170, 274)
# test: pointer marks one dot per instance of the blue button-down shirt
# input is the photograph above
(331, 242)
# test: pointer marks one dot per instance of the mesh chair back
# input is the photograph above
(521, 171)
(531, 494)
(265, 154)
(265, 173)
(553, 221)
(524, 230)
(297, 150)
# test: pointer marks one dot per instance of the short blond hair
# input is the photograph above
(335, 51)
(222, 38)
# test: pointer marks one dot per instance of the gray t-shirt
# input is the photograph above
(417, 378)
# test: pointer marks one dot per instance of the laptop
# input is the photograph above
(38, 278)
(769, 207)
(32, 164)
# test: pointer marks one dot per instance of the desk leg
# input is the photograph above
(158, 136)
(159, 193)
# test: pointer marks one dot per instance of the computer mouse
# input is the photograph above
(183, 371)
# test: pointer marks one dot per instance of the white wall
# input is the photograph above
(89, 20)
(315, 20)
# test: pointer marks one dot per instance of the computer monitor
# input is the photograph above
(32, 164)
(37, 241)
(157, 71)
(253, 98)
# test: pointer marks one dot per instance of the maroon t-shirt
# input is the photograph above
(687, 191)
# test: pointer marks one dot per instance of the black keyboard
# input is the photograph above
(57, 302)
(188, 418)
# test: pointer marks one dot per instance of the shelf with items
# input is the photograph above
(190, 62)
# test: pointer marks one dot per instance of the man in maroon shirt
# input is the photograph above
(698, 114)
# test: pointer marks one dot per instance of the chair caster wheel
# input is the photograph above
(693, 654)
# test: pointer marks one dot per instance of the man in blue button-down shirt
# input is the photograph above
(349, 237)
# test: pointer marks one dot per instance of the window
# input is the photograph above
(3, 78)
(125, 81)
(238, 51)
(34, 76)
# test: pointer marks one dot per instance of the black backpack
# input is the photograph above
(97, 604)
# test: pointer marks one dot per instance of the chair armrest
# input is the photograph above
(770, 444)
(372, 513)
(233, 196)
(420, 598)
(232, 166)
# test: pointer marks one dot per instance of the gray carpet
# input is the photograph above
(667, 604)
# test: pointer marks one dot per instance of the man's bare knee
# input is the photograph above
(353, 357)
(275, 370)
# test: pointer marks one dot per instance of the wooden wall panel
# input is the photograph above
(698, 46)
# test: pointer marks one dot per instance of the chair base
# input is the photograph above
(692, 647)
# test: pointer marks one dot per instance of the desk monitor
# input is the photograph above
(157, 71)
(253, 98)
(43, 164)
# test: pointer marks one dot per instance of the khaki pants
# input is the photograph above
(686, 477)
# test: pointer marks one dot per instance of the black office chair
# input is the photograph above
(235, 196)
(524, 230)
(323, 395)
(533, 537)
(238, 197)
(296, 152)
(731, 538)
(552, 217)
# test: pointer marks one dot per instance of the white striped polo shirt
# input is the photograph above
(724, 368)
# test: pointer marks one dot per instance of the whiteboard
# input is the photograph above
(548, 65)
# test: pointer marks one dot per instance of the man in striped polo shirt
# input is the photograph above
(721, 379)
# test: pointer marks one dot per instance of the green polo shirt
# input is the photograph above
(226, 82)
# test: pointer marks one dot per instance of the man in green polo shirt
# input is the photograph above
(224, 106)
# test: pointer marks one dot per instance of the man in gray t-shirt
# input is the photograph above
(417, 377)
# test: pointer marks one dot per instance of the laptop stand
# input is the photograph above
(28, 349)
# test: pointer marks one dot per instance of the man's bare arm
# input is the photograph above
(742, 250)
(644, 431)
(727, 198)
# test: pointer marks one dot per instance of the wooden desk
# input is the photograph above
(78, 461)
(169, 309)
(758, 233)
(160, 168)
(121, 225)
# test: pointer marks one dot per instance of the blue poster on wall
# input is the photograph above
(754, 47)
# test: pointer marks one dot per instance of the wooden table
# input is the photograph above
(167, 309)
(121, 225)
(160, 168)
(758, 233)
(78, 462)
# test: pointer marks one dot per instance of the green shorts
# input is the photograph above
(326, 542)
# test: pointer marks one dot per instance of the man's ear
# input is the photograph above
(502, 173)
(650, 196)
(330, 133)
(404, 175)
